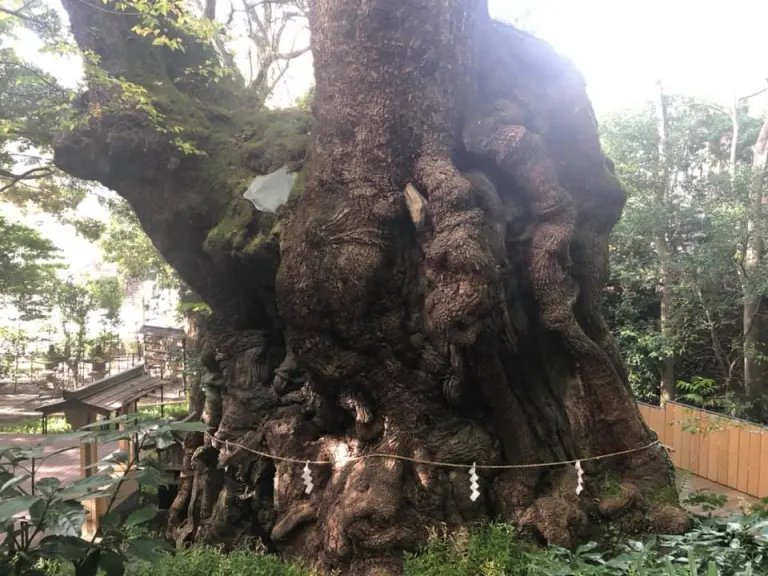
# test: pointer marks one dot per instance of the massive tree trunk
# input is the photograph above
(431, 293)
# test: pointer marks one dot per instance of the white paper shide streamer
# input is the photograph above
(473, 484)
(307, 477)
(579, 477)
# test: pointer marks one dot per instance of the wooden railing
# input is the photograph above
(725, 450)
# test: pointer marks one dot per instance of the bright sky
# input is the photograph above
(709, 48)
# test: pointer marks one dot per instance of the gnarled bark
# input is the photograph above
(437, 298)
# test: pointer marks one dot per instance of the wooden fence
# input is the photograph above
(725, 450)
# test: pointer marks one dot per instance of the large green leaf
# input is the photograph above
(5, 475)
(84, 488)
(66, 548)
(60, 438)
(116, 457)
(89, 566)
(116, 420)
(66, 518)
(59, 451)
(147, 549)
(111, 563)
(47, 486)
(38, 513)
(13, 483)
(141, 516)
(164, 438)
(35, 452)
(187, 426)
(11, 506)
(111, 520)
(109, 436)
(152, 477)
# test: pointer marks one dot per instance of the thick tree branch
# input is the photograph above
(179, 198)
(21, 16)
(33, 174)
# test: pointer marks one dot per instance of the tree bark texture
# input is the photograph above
(668, 388)
(432, 292)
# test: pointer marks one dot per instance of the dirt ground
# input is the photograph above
(65, 465)
(20, 406)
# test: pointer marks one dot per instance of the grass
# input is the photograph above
(204, 561)
(175, 411)
(713, 548)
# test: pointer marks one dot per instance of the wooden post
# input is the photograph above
(127, 445)
(89, 456)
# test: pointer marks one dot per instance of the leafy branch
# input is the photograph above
(32, 507)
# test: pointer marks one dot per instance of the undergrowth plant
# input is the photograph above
(42, 519)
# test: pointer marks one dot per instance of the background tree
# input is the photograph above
(755, 275)
(706, 225)
(125, 243)
(664, 175)
(27, 269)
(77, 302)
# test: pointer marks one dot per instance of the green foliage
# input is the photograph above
(77, 302)
(703, 392)
(56, 425)
(12, 343)
(274, 137)
(126, 244)
(703, 218)
(706, 500)
(27, 269)
(713, 548)
(55, 511)
(202, 561)
(175, 411)
(306, 101)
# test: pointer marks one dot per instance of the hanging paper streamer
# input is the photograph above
(473, 483)
(579, 478)
(307, 477)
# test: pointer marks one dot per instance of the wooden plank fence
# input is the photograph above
(725, 450)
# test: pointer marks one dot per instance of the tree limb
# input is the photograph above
(210, 9)
(18, 14)
(33, 174)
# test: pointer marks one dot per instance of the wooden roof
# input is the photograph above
(108, 394)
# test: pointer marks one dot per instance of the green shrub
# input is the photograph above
(712, 548)
(204, 561)
(490, 550)
(56, 425)
(173, 410)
